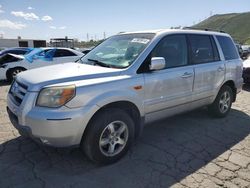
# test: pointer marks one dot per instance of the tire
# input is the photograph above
(12, 73)
(103, 144)
(222, 103)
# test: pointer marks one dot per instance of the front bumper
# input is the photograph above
(62, 127)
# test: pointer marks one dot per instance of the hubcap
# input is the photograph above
(113, 138)
(16, 72)
(225, 101)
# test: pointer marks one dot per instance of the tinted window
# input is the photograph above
(42, 53)
(173, 49)
(18, 52)
(201, 49)
(63, 53)
(228, 48)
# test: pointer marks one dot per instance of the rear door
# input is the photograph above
(173, 85)
(64, 56)
(208, 68)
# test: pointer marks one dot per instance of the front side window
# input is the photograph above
(18, 52)
(228, 48)
(174, 49)
(119, 51)
(201, 49)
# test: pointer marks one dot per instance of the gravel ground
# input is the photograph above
(188, 150)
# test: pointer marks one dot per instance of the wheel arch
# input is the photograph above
(12, 68)
(129, 108)
(231, 84)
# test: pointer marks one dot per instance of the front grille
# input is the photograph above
(18, 91)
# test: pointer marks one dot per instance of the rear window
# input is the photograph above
(203, 49)
(228, 48)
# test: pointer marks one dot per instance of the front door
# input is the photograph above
(173, 85)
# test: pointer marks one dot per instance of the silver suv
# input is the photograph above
(101, 102)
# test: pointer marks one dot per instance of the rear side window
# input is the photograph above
(63, 53)
(228, 48)
(202, 49)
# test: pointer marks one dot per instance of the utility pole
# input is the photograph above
(104, 35)
(87, 37)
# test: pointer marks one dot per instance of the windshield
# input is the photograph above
(118, 51)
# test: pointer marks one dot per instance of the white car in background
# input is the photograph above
(11, 64)
(246, 70)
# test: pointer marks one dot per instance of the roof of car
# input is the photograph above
(174, 31)
(45, 48)
(75, 51)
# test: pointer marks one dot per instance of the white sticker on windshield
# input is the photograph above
(140, 40)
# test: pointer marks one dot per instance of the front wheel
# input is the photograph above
(108, 136)
(13, 73)
(223, 102)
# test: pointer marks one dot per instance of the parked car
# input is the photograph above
(17, 51)
(102, 102)
(11, 65)
(240, 50)
(245, 51)
(246, 70)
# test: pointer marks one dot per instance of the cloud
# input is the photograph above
(11, 25)
(52, 27)
(47, 18)
(63, 27)
(2, 34)
(26, 16)
(1, 11)
(30, 8)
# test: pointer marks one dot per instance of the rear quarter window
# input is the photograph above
(228, 47)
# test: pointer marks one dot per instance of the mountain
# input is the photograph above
(236, 24)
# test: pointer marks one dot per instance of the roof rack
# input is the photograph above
(204, 29)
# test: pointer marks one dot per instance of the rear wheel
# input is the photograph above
(108, 136)
(223, 102)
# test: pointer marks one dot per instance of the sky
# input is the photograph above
(45, 19)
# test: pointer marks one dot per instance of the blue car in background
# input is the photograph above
(12, 64)
(16, 51)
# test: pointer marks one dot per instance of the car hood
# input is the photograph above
(35, 79)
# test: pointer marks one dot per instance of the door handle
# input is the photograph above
(187, 75)
(220, 69)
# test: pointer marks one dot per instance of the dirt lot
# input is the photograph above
(189, 150)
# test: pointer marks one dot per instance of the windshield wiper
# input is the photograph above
(96, 62)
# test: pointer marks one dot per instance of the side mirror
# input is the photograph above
(157, 63)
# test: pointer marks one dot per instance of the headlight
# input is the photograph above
(54, 97)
